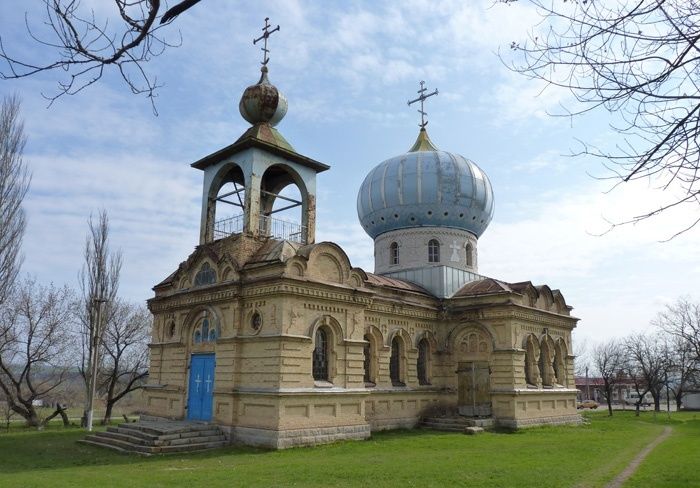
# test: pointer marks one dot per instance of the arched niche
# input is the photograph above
(284, 204)
(532, 358)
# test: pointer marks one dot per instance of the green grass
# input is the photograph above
(675, 462)
(583, 456)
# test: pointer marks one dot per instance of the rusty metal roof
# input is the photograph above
(379, 280)
(262, 136)
(483, 287)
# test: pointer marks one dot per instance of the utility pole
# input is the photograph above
(94, 356)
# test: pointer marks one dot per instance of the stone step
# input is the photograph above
(191, 447)
(447, 421)
(159, 437)
(443, 427)
(89, 442)
(127, 438)
(195, 440)
(487, 423)
(166, 428)
(126, 429)
(126, 447)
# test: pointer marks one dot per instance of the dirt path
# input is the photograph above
(634, 464)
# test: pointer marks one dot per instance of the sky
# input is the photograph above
(347, 70)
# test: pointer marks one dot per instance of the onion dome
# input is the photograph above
(263, 102)
(425, 187)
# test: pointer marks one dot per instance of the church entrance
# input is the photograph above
(474, 398)
(201, 387)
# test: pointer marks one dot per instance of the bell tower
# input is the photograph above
(250, 174)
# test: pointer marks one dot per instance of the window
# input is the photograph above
(470, 254)
(256, 321)
(423, 353)
(320, 357)
(394, 253)
(171, 330)
(433, 251)
(205, 333)
(205, 276)
(368, 360)
(395, 363)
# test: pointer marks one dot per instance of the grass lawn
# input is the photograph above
(676, 462)
(583, 456)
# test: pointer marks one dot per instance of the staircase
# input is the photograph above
(147, 437)
(458, 424)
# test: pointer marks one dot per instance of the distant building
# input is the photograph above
(691, 399)
(282, 342)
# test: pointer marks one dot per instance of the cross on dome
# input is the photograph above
(266, 33)
(422, 98)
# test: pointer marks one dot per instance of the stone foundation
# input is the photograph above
(536, 422)
(282, 439)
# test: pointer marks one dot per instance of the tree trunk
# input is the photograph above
(636, 409)
(59, 411)
(108, 413)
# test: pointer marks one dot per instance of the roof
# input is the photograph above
(425, 187)
(379, 280)
(486, 286)
(261, 136)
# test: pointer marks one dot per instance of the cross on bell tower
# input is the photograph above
(422, 97)
(266, 34)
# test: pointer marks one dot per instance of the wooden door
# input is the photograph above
(474, 395)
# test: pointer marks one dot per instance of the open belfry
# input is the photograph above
(280, 341)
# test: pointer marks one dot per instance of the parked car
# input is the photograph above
(633, 399)
(587, 404)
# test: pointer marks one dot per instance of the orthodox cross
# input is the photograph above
(422, 98)
(266, 33)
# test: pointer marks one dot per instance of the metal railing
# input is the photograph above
(267, 226)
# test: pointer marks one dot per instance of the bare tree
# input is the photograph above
(682, 319)
(85, 45)
(680, 322)
(35, 341)
(647, 366)
(608, 360)
(99, 282)
(14, 183)
(638, 60)
(125, 353)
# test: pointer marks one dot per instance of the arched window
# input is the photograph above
(368, 360)
(320, 358)
(395, 363)
(433, 251)
(470, 254)
(204, 332)
(205, 276)
(423, 358)
(394, 253)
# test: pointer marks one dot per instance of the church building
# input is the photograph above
(281, 342)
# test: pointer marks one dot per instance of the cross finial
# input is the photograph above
(266, 33)
(422, 97)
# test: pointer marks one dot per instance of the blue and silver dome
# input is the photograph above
(425, 187)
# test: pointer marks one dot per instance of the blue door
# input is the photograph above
(201, 387)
